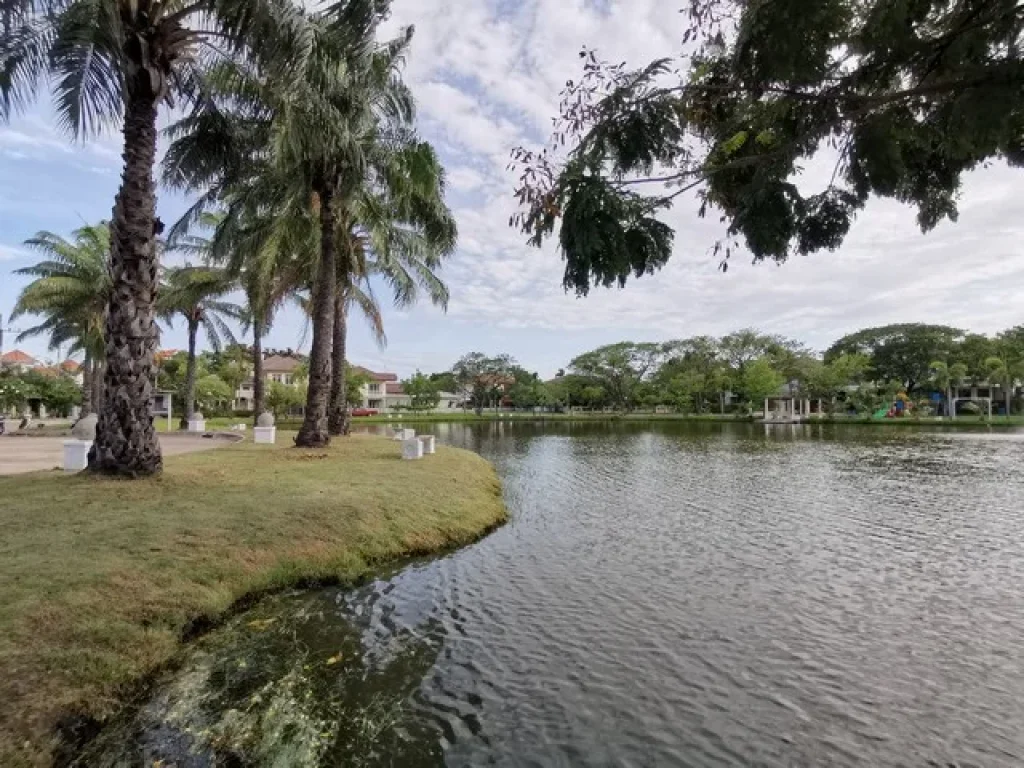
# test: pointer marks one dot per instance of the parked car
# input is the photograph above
(364, 411)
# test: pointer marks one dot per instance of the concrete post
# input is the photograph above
(76, 455)
(412, 449)
(429, 445)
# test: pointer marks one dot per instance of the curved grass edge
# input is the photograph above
(389, 511)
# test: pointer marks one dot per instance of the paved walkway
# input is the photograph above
(31, 454)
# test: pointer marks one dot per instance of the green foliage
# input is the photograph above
(619, 369)
(422, 391)
(760, 380)
(14, 392)
(282, 399)
(355, 380)
(213, 394)
(907, 94)
(904, 352)
(71, 289)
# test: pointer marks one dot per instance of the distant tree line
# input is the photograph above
(735, 373)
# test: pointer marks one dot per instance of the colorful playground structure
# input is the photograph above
(901, 406)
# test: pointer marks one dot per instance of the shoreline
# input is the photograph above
(152, 565)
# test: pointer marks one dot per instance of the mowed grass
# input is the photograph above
(103, 578)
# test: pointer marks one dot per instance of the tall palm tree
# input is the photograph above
(115, 62)
(196, 294)
(401, 229)
(70, 292)
(301, 152)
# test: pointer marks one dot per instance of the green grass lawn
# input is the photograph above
(103, 578)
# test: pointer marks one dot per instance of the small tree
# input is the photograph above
(282, 399)
(423, 393)
(760, 380)
(213, 394)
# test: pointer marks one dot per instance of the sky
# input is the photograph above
(487, 76)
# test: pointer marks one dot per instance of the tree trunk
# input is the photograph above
(258, 388)
(1009, 399)
(721, 403)
(126, 442)
(87, 369)
(314, 432)
(98, 372)
(189, 406)
(338, 421)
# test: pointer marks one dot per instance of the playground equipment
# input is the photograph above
(900, 407)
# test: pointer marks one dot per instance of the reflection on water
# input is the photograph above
(665, 594)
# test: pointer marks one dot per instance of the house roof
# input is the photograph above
(70, 366)
(373, 375)
(281, 364)
(17, 357)
(394, 388)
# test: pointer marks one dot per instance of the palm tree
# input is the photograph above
(400, 232)
(195, 294)
(1005, 374)
(303, 152)
(115, 62)
(71, 289)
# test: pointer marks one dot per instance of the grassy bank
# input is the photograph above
(103, 578)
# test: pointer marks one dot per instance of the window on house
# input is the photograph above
(374, 389)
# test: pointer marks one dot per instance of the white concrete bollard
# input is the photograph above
(412, 449)
(264, 435)
(408, 434)
(428, 444)
(76, 455)
(197, 425)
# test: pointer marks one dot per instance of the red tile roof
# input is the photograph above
(17, 357)
(394, 389)
(373, 375)
(280, 364)
(70, 366)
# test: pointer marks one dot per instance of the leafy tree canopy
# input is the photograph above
(899, 96)
(619, 368)
(902, 352)
(423, 392)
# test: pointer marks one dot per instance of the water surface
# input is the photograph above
(665, 594)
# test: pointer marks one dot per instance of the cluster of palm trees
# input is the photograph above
(296, 131)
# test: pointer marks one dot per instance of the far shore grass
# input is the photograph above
(104, 578)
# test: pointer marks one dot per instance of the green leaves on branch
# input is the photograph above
(901, 97)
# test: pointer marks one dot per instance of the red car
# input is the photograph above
(364, 411)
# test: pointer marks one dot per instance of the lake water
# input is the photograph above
(664, 595)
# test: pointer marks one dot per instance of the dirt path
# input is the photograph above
(31, 454)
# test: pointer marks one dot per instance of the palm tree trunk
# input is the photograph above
(1009, 398)
(314, 432)
(87, 368)
(338, 421)
(126, 442)
(98, 373)
(258, 385)
(190, 375)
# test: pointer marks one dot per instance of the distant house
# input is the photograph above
(279, 369)
(19, 361)
(382, 392)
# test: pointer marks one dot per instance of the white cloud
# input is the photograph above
(10, 252)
